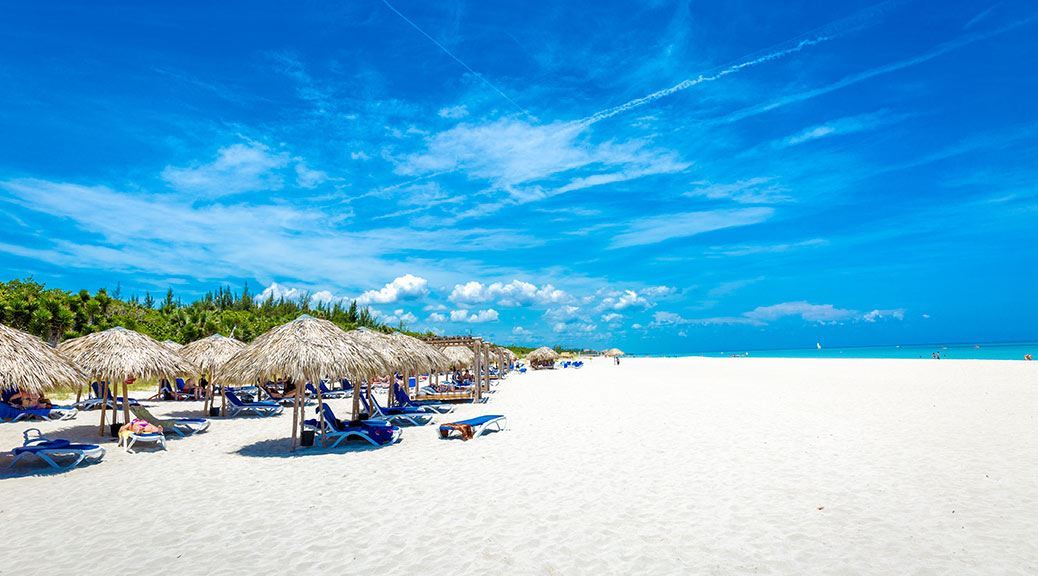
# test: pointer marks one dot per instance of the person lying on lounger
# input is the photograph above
(28, 400)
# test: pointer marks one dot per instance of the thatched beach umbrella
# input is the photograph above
(116, 354)
(28, 363)
(174, 346)
(613, 352)
(304, 349)
(542, 356)
(459, 356)
(426, 356)
(209, 354)
(396, 357)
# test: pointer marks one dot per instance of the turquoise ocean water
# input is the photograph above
(1013, 351)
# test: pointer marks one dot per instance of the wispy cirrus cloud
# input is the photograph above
(842, 127)
(655, 229)
(241, 167)
(530, 162)
(757, 190)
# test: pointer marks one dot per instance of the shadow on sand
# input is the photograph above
(280, 448)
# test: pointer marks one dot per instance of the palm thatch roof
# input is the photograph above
(508, 353)
(29, 363)
(459, 356)
(394, 356)
(427, 356)
(304, 348)
(211, 353)
(613, 352)
(174, 346)
(542, 354)
(118, 353)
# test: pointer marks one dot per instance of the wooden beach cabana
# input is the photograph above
(542, 358)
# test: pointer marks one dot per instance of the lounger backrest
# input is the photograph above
(364, 401)
(142, 413)
(329, 416)
(233, 398)
(401, 396)
(180, 384)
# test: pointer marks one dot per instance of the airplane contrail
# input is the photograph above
(818, 35)
(686, 84)
(458, 60)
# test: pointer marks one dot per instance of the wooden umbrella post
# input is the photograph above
(367, 390)
(356, 399)
(320, 409)
(207, 401)
(126, 401)
(295, 418)
(475, 368)
(104, 405)
(223, 400)
(79, 393)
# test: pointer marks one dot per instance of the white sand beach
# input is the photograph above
(662, 466)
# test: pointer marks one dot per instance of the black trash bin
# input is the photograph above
(214, 411)
(113, 429)
(307, 438)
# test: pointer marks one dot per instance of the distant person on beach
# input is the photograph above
(1028, 357)
(191, 388)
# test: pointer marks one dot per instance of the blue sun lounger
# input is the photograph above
(182, 427)
(399, 415)
(480, 425)
(47, 450)
(378, 433)
(423, 405)
(236, 406)
(114, 402)
(327, 392)
(10, 413)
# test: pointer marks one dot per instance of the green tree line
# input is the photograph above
(55, 315)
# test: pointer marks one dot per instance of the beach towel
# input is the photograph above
(466, 431)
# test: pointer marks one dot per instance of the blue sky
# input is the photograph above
(659, 176)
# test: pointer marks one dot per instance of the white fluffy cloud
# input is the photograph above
(514, 293)
(437, 317)
(896, 313)
(399, 316)
(762, 315)
(277, 291)
(477, 317)
(406, 287)
(623, 299)
(805, 310)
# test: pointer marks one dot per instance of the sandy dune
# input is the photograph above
(666, 466)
